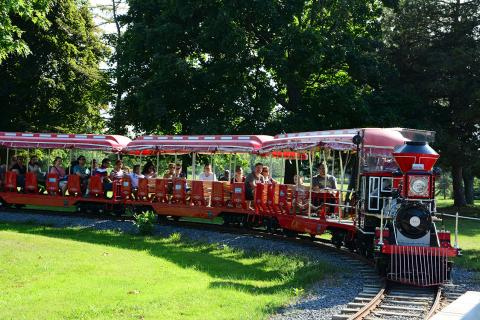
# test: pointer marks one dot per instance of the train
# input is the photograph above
(383, 207)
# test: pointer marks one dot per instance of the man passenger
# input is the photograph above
(251, 181)
(207, 174)
(81, 170)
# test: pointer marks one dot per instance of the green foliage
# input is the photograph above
(59, 86)
(246, 66)
(145, 222)
(11, 32)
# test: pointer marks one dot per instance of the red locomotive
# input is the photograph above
(382, 207)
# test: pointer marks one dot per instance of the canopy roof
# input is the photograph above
(375, 140)
(110, 143)
(200, 143)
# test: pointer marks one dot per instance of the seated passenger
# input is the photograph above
(266, 175)
(102, 172)
(13, 161)
(207, 174)
(149, 170)
(225, 176)
(178, 171)
(238, 177)
(81, 170)
(170, 174)
(323, 180)
(117, 173)
(34, 166)
(20, 168)
(251, 181)
(60, 171)
(135, 175)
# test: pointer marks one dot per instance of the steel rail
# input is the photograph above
(436, 304)
(365, 311)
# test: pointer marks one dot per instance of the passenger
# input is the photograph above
(225, 176)
(13, 161)
(34, 166)
(251, 181)
(103, 173)
(300, 200)
(126, 169)
(323, 180)
(149, 170)
(135, 175)
(60, 171)
(117, 173)
(238, 177)
(207, 174)
(170, 174)
(94, 166)
(20, 168)
(266, 175)
(81, 170)
(178, 171)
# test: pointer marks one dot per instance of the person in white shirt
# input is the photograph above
(207, 174)
(135, 175)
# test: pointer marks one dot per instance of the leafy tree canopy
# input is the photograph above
(59, 86)
(11, 41)
(247, 66)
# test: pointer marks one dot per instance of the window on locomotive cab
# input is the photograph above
(386, 184)
(374, 193)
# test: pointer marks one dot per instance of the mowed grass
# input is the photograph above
(468, 232)
(50, 273)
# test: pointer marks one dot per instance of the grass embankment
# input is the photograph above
(49, 273)
(468, 232)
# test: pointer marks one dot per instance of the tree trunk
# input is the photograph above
(468, 183)
(457, 183)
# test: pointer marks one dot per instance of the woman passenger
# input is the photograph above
(170, 174)
(238, 177)
(149, 170)
(58, 169)
(266, 175)
(117, 173)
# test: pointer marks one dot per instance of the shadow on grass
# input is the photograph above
(223, 264)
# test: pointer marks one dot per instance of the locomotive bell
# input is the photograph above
(415, 155)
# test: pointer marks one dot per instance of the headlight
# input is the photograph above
(418, 186)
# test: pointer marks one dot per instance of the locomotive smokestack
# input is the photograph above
(415, 155)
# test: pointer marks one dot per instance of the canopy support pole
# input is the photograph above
(212, 164)
(310, 164)
(271, 166)
(175, 159)
(296, 167)
(7, 168)
(230, 168)
(342, 175)
(158, 161)
(234, 164)
(70, 164)
(28, 156)
(326, 165)
(283, 169)
(48, 162)
(194, 176)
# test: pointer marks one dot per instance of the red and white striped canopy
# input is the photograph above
(197, 143)
(375, 140)
(110, 143)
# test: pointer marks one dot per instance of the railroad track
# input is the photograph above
(394, 301)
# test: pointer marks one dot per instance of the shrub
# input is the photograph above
(145, 222)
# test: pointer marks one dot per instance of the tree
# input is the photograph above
(247, 66)
(435, 46)
(59, 87)
(11, 41)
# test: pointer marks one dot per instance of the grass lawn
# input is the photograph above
(468, 232)
(50, 273)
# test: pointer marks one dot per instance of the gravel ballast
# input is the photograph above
(323, 300)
